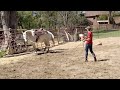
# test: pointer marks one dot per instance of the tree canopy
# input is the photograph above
(50, 19)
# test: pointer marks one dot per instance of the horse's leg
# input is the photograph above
(44, 49)
(34, 47)
(37, 46)
(41, 45)
(47, 45)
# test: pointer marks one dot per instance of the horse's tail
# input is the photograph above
(53, 40)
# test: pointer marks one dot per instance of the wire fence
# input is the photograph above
(17, 43)
(12, 40)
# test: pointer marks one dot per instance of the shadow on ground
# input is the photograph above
(51, 51)
(61, 49)
(20, 54)
(103, 60)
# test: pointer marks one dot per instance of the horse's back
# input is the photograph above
(44, 37)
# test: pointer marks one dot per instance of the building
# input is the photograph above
(93, 17)
(117, 20)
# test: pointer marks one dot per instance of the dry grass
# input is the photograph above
(67, 62)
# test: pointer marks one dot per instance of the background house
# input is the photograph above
(117, 20)
(93, 17)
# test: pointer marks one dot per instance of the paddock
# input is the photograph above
(67, 62)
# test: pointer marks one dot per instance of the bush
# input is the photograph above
(116, 14)
(2, 53)
(103, 17)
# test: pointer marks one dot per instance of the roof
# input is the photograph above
(103, 21)
(94, 13)
(92, 16)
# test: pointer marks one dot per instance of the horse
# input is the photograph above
(37, 36)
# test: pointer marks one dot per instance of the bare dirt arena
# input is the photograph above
(66, 63)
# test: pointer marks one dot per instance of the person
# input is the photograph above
(89, 43)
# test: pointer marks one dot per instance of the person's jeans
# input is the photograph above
(89, 47)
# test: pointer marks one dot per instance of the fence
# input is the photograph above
(73, 33)
(17, 43)
(108, 26)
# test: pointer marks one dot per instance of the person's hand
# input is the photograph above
(84, 40)
(85, 37)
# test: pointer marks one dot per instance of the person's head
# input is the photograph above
(88, 28)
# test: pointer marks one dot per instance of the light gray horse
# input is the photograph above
(39, 36)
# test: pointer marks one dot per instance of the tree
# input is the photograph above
(103, 17)
(9, 20)
(25, 19)
(111, 20)
(65, 17)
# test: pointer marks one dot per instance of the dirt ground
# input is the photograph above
(66, 62)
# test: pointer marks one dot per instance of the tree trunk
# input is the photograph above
(5, 23)
(13, 32)
(70, 37)
(67, 37)
(75, 35)
(9, 20)
(111, 20)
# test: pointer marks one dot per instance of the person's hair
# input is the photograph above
(90, 29)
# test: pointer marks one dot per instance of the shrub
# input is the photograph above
(103, 17)
(2, 53)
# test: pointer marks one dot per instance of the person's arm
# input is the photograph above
(87, 38)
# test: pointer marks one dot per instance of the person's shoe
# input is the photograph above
(95, 59)
(86, 60)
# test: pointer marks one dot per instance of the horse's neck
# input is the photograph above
(32, 37)
(32, 32)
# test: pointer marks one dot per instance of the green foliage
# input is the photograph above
(116, 14)
(51, 19)
(25, 18)
(84, 21)
(103, 17)
(2, 53)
